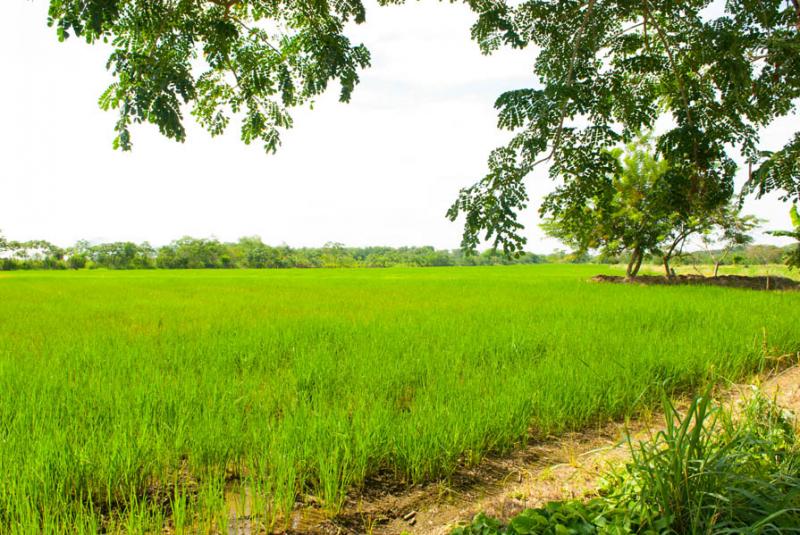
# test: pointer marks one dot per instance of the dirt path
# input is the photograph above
(567, 467)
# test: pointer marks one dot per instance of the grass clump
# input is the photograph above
(709, 471)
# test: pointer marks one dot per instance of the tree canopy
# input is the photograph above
(636, 209)
(257, 58)
(608, 69)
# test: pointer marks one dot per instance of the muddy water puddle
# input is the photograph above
(248, 515)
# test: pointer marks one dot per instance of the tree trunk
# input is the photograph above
(636, 262)
(668, 255)
(631, 262)
(720, 260)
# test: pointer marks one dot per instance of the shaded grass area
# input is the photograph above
(132, 399)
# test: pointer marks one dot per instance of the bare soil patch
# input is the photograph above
(763, 282)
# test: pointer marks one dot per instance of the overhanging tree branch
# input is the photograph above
(570, 79)
(678, 78)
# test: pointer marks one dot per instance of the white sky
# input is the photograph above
(381, 170)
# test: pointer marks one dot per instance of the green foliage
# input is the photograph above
(780, 172)
(609, 70)
(255, 254)
(492, 205)
(634, 206)
(77, 261)
(33, 254)
(555, 518)
(224, 57)
(193, 253)
(732, 227)
(706, 472)
(122, 255)
(793, 256)
(125, 391)
(248, 252)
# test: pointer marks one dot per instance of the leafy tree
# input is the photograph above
(79, 255)
(334, 254)
(609, 69)
(793, 256)
(121, 255)
(77, 261)
(780, 172)
(255, 254)
(194, 253)
(630, 209)
(730, 229)
(81, 247)
(637, 209)
(36, 250)
(307, 258)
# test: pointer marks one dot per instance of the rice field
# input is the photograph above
(136, 401)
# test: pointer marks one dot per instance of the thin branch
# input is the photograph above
(796, 4)
(629, 28)
(227, 4)
(250, 30)
(570, 79)
(235, 74)
(675, 71)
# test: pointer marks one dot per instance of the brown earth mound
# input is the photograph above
(728, 281)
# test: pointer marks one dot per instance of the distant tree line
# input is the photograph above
(251, 252)
(248, 252)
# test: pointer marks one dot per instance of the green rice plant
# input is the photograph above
(310, 384)
(179, 508)
(213, 513)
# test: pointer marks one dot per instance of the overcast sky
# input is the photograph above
(381, 170)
